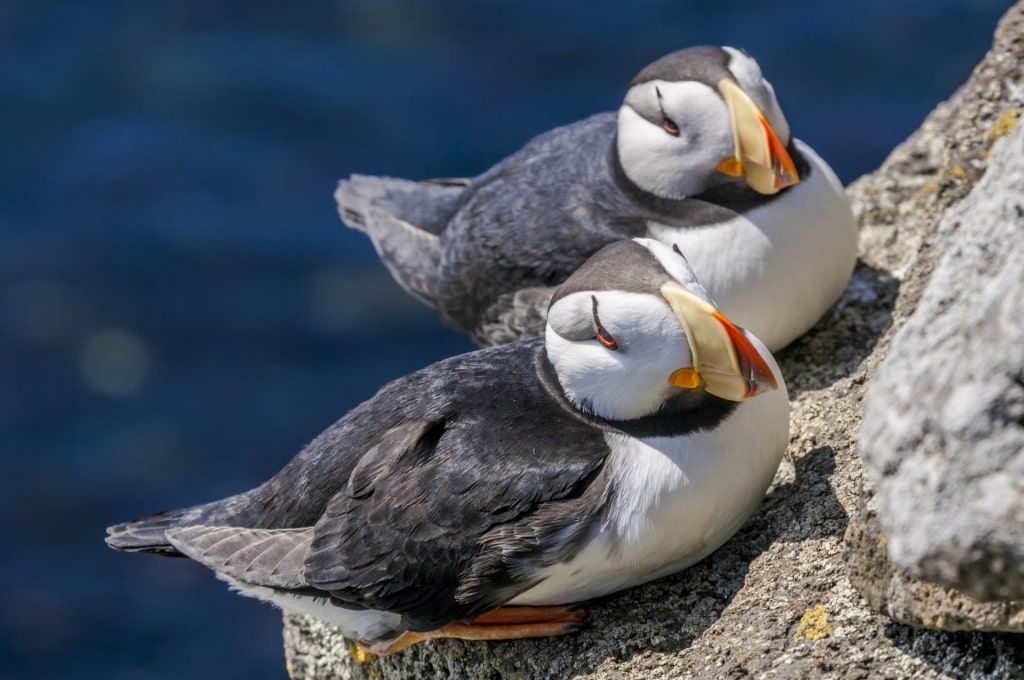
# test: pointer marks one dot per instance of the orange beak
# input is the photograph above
(759, 153)
(724, 359)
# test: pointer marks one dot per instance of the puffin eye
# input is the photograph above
(667, 123)
(603, 336)
(606, 339)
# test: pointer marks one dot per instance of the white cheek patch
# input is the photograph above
(646, 153)
(576, 364)
(673, 166)
(633, 381)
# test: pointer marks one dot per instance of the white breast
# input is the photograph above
(776, 270)
(373, 628)
(675, 501)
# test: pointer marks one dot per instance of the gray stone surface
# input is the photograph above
(914, 601)
(943, 431)
(956, 142)
(776, 601)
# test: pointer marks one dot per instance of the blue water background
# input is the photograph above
(180, 308)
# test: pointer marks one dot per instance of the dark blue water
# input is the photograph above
(180, 308)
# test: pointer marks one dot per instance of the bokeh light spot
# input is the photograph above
(114, 362)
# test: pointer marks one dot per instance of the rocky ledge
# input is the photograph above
(835, 578)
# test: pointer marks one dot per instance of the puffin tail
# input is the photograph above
(148, 534)
(423, 206)
(403, 220)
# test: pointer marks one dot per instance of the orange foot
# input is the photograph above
(503, 623)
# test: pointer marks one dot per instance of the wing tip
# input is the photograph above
(141, 535)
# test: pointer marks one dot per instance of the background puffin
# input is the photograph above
(622, 446)
(699, 154)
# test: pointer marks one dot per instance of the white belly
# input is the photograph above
(374, 629)
(676, 501)
(777, 270)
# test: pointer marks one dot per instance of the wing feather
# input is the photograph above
(265, 557)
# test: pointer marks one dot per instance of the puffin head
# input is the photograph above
(632, 327)
(698, 117)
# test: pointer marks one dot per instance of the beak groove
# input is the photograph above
(759, 153)
(724, 359)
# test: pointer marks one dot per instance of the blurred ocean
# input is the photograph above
(181, 309)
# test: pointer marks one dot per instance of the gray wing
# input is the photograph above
(149, 533)
(434, 500)
(402, 219)
(527, 222)
(514, 316)
(427, 205)
(251, 537)
(265, 557)
(454, 525)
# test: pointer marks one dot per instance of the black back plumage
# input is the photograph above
(487, 255)
(407, 491)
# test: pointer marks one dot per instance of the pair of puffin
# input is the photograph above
(629, 431)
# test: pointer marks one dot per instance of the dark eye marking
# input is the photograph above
(667, 123)
(603, 336)
(675, 247)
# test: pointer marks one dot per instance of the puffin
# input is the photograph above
(699, 154)
(488, 495)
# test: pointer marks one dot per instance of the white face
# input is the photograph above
(632, 380)
(675, 164)
(667, 164)
(624, 383)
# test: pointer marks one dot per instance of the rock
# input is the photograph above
(911, 600)
(964, 130)
(943, 431)
(776, 600)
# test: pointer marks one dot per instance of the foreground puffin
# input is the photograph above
(629, 443)
(699, 155)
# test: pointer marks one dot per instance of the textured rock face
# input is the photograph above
(956, 141)
(783, 598)
(943, 432)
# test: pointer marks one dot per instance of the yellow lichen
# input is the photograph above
(927, 187)
(814, 624)
(1007, 120)
(956, 171)
(360, 655)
